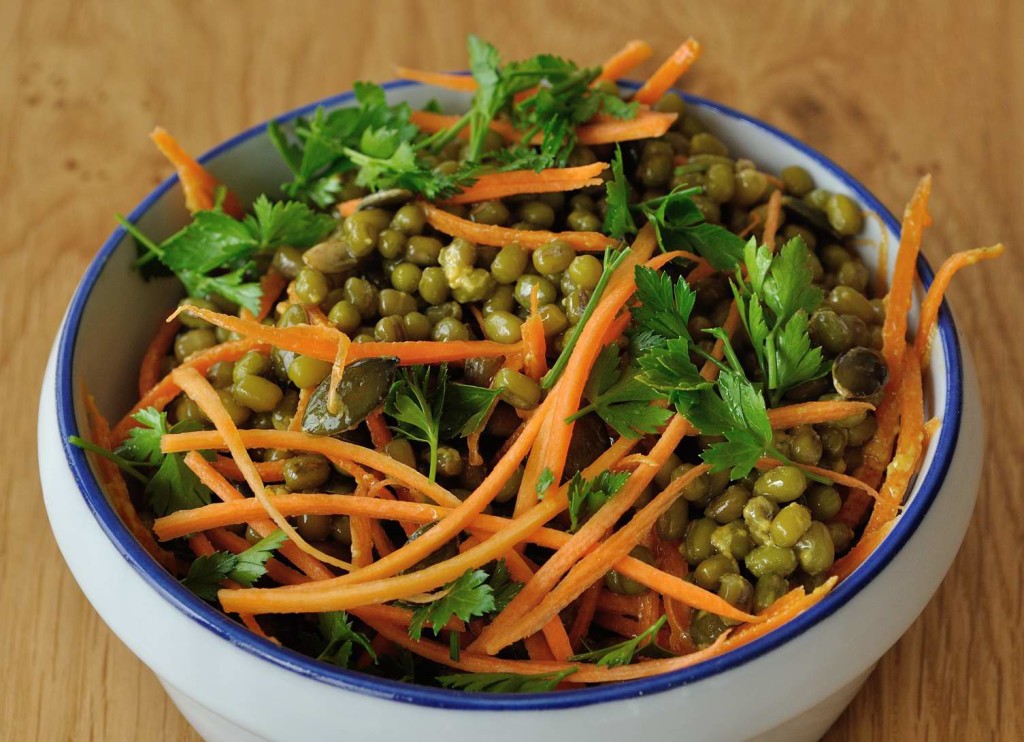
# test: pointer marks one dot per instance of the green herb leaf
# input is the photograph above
(207, 572)
(665, 307)
(465, 407)
(587, 496)
(544, 482)
(504, 682)
(341, 639)
(503, 587)
(623, 652)
(618, 220)
(286, 223)
(466, 597)
(173, 486)
(679, 225)
(416, 406)
(622, 399)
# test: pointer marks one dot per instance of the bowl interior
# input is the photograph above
(114, 314)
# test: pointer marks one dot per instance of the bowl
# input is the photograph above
(232, 685)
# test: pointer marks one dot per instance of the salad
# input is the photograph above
(556, 390)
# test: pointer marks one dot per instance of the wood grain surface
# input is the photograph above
(889, 90)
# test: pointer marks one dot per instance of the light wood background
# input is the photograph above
(889, 90)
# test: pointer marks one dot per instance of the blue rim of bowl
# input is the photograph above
(210, 618)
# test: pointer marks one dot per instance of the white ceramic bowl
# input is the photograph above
(234, 686)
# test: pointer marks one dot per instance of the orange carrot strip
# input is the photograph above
(627, 627)
(431, 123)
(300, 409)
(350, 207)
(333, 595)
(272, 284)
(490, 234)
(626, 605)
(586, 608)
(645, 125)
(659, 261)
(671, 70)
(322, 342)
(598, 562)
(933, 299)
(270, 471)
(534, 344)
(579, 543)
(671, 562)
(337, 369)
(258, 521)
(336, 450)
(771, 222)
(380, 434)
(514, 182)
(167, 389)
(634, 53)
(159, 346)
(116, 489)
(834, 476)
(857, 555)
(199, 186)
(446, 80)
(204, 395)
(894, 330)
(909, 446)
(814, 413)
(755, 220)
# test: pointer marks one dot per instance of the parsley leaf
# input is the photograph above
(505, 682)
(341, 639)
(468, 596)
(618, 221)
(416, 406)
(680, 225)
(286, 223)
(774, 302)
(587, 496)
(207, 572)
(621, 399)
(621, 653)
(503, 587)
(664, 308)
(173, 486)
(544, 482)
(465, 407)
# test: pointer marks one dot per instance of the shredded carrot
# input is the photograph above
(646, 124)
(491, 234)
(158, 348)
(116, 489)
(671, 70)
(337, 369)
(634, 53)
(199, 186)
(755, 220)
(447, 80)
(834, 476)
(204, 395)
(860, 551)
(272, 284)
(670, 561)
(514, 182)
(380, 434)
(300, 409)
(270, 471)
(771, 222)
(814, 413)
(933, 299)
(621, 625)
(586, 607)
(626, 605)
(894, 330)
(659, 261)
(332, 448)
(258, 520)
(322, 342)
(350, 207)
(534, 345)
(167, 389)
(598, 562)
(909, 446)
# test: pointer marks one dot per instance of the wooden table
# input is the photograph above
(888, 90)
